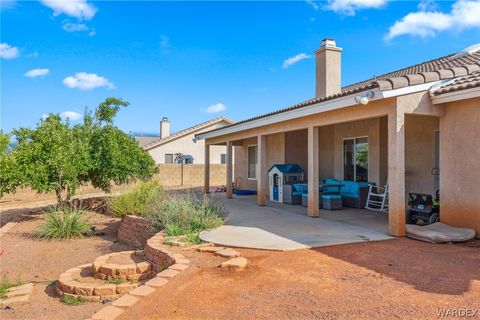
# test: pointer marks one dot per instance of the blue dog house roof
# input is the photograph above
(287, 168)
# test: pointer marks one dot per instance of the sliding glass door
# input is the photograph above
(355, 159)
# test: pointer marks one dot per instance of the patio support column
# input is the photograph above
(262, 170)
(396, 173)
(207, 169)
(313, 201)
(229, 170)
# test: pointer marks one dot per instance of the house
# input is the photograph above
(181, 147)
(417, 129)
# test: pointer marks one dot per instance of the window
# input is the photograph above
(168, 158)
(355, 159)
(252, 162)
(223, 158)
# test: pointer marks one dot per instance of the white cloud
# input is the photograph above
(36, 73)
(74, 27)
(349, 7)
(313, 4)
(292, 60)
(215, 108)
(79, 9)
(87, 81)
(8, 52)
(70, 115)
(465, 14)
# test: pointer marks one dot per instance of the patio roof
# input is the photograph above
(418, 77)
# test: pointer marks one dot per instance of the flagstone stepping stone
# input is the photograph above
(156, 282)
(125, 301)
(228, 253)
(210, 249)
(235, 263)
(178, 267)
(142, 291)
(17, 294)
(108, 313)
(168, 273)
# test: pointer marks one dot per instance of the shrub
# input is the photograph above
(4, 286)
(180, 215)
(138, 201)
(63, 222)
(72, 301)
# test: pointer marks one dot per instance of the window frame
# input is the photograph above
(165, 158)
(248, 161)
(354, 160)
(223, 158)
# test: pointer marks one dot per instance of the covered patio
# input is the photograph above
(285, 227)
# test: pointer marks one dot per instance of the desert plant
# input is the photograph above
(138, 201)
(72, 301)
(64, 222)
(181, 215)
(4, 286)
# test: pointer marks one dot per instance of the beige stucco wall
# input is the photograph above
(460, 164)
(420, 153)
(186, 146)
(296, 148)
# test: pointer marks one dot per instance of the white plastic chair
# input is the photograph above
(377, 199)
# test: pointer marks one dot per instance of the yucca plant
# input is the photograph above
(64, 222)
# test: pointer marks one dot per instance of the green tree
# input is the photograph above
(59, 157)
(8, 173)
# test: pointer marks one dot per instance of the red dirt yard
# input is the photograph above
(393, 279)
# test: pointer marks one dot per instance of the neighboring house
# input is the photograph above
(180, 147)
(417, 128)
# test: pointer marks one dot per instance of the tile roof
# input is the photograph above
(466, 82)
(144, 140)
(447, 67)
(183, 132)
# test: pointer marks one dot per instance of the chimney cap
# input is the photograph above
(164, 119)
(328, 42)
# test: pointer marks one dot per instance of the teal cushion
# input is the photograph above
(331, 196)
(297, 187)
(349, 195)
(297, 193)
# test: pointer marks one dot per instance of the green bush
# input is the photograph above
(138, 201)
(63, 222)
(180, 215)
(4, 286)
(72, 301)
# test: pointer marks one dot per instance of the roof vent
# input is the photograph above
(467, 51)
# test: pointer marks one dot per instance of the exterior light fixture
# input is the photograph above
(363, 100)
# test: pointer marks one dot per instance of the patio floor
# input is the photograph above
(287, 227)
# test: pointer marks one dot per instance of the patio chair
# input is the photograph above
(377, 199)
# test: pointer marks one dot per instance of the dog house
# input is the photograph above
(280, 175)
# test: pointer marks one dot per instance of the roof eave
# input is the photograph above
(324, 106)
(456, 95)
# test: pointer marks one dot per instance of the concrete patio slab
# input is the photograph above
(276, 227)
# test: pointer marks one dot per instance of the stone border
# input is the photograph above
(6, 227)
(170, 265)
(67, 285)
(106, 270)
(135, 230)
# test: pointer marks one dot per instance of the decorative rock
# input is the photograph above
(142, 291)
(143, 267)
(169, 273)
(178, 267)
(228, 253)
(127, 269)
(68, 286)
(182, 261)
(105, 290)
(20, 290)
(156, 282)
(84, 290)
(12, 300)
(236, 263)
(126, 287)
(107, 269)
(125, 301)
(210, 249)
(108, 313)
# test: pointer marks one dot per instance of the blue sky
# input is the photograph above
(182, 59)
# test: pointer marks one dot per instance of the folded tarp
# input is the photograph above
(439, 233)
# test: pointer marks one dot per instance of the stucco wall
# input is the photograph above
(460, 164)
(240, 168)
(296, 150)
(419, 153)
(186, 146)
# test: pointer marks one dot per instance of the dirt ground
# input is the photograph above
(393, 279)
(30, 260)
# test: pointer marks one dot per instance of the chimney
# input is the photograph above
(329, 69)
(164, 128)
